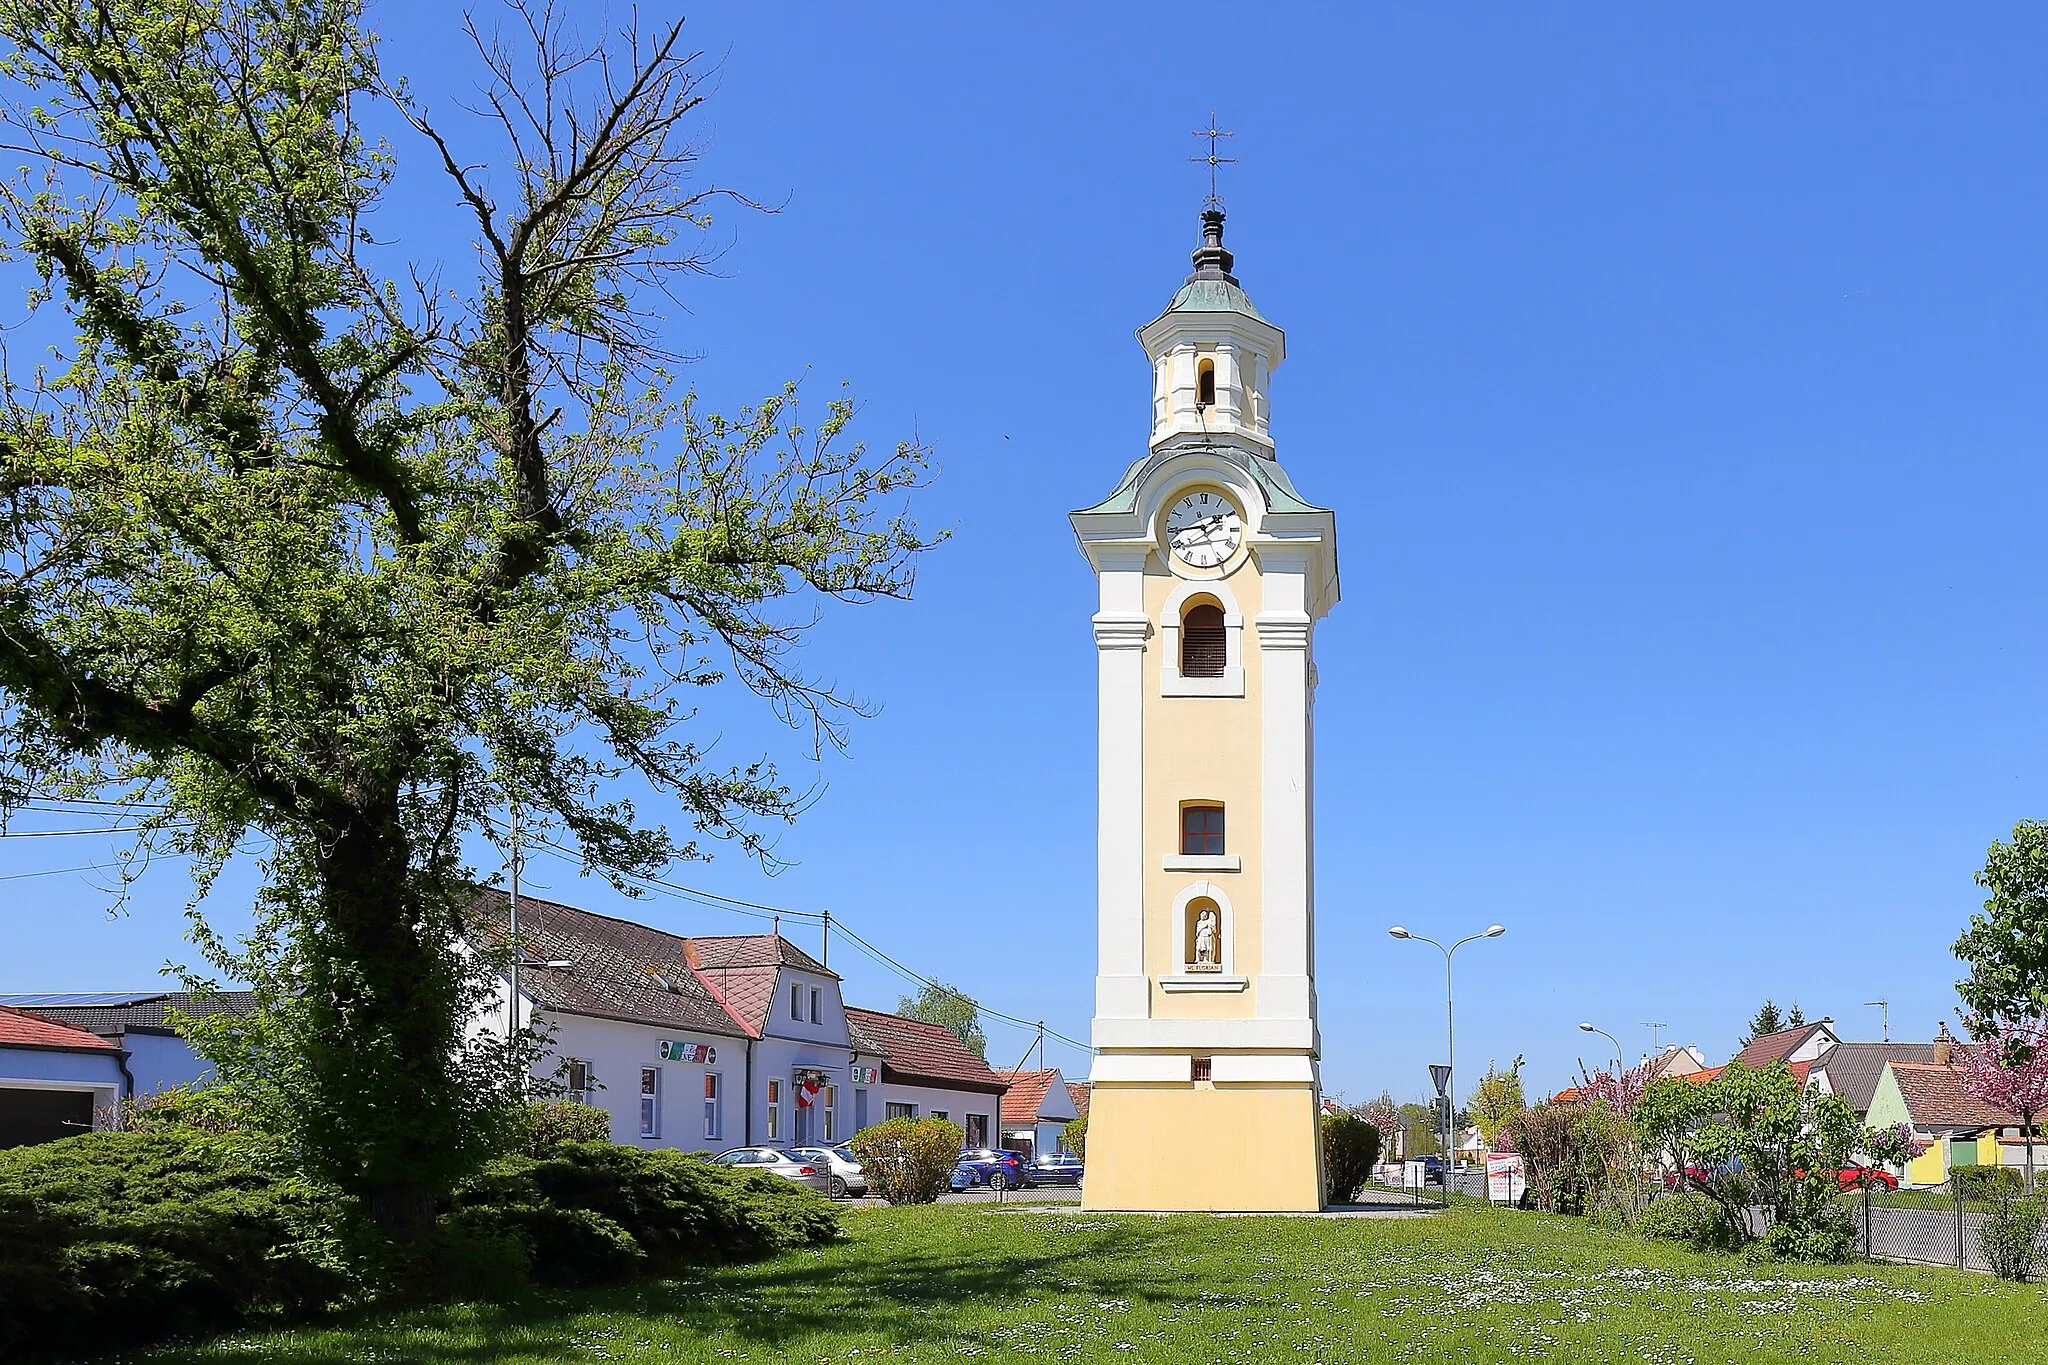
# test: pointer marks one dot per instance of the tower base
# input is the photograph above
(1234, 1147)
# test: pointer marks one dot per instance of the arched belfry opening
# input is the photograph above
(1205, 383)
(1204, 645)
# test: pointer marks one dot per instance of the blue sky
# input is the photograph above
(1676, 379)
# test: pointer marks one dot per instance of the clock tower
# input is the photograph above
(1213, 572)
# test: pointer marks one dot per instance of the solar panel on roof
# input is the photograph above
(47, 999)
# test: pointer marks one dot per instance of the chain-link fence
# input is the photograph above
(1953, 1225)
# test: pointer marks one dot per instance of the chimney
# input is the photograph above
(1944, 1046)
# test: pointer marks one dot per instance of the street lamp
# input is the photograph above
(1450, 1041)
(1588, 1028)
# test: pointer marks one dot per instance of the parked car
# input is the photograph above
(775, 1161)
(847, 1176)
(1432, 1169)
(1856, 1176)
(990, 1166)
(1053, 1168)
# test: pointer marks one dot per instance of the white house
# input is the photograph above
(1037, 1108)
(138, 1022)
(926, 1072)
(718, 1042)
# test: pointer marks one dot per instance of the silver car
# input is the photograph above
(847, 1176)
(775, 1161)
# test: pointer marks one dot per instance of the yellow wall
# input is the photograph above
(1232, 1147)
(1202, 748)
(1929, 1168)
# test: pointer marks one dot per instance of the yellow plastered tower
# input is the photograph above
(1213, 572)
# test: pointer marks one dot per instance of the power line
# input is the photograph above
(113, 829)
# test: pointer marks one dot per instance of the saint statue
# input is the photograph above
(1205, 939)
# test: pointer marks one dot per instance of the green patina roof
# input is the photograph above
(1267, 474)
(1213, 296)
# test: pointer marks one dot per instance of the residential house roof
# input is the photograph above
(914, 1052)
(1024, 1101)
(1077, 1091)
(617, 969)
(1936, 1098)
(148, 1010)
(21, 1028)
(743, 968)
(1853, 1069)
(1776, 1047)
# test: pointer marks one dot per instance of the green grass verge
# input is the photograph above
(950, 1282)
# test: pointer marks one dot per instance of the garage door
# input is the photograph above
(42, 1115)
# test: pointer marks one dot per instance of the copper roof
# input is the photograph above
(617, 969)
(1936, 1097)
(20, 1028)
(914, 1052)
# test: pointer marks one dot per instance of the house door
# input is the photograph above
(860, 1110)
(806, 1124)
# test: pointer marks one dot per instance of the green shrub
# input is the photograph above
(598, 1213)
(1985, 1182)
(2012, 1236)
(114, 1238)
(908, 1161)
(1824, 1233)
(1687, 1216)
(549, 1124)
(1350, 1147)
(1075, 1136)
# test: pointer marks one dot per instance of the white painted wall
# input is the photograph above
(617, 1051)
(956, 1104)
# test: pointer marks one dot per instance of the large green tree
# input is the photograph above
(308, 539)
(2006, 947)
(950, 1009)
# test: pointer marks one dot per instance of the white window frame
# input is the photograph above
(796, 1010)
(714, 1105)
(817, 1015)
(831, 1108)
(889, 1108)
(650, 1102)
(1171, 681)
(578, 1093)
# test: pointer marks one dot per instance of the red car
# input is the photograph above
(1857, 1176)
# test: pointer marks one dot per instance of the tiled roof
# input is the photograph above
(1935, 1097)
(1853, 1069)
(915, 1052)
(149, 1011)
(617, 969)
(756, 950)
(1701, 1077)
(20, 1028)
(749, 992)
(1077, 1091)
(1025, 1099)
(1775, 1047)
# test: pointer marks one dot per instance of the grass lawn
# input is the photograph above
(1475, 1284)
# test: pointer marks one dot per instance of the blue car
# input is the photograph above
(990, 1166)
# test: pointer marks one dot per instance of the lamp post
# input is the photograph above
(1588, 1028)
(1450, 1041)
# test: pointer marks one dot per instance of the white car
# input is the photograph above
(847, 1176)
(775, 1161)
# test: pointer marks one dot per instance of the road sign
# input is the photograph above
(1441, 1076)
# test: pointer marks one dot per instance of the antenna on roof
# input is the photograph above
(1886, 1006)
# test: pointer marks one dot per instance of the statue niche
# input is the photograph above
(1204, 949)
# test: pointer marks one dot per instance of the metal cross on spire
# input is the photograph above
(1212, 132)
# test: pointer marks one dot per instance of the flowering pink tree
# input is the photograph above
(1620, 1092)
(1383, 1115)
(2007, 1068)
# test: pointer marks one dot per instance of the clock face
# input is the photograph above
(1203, 528)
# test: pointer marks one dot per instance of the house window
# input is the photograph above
(1204, 644)
(1205, 384)
(1198, 1068)
(816, 1017)
(831, 1114)
(1201, 829)
(977, 1130)
(901, 1111)
(942, 1113)
(795, 1006)
(712, 1123)
(650, 1101)
(579, 1080)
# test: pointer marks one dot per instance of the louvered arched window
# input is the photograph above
(1204, 649)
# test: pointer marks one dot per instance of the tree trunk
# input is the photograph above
(383, 992)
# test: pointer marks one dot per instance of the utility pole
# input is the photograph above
(826, 959)
(512, 1006)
